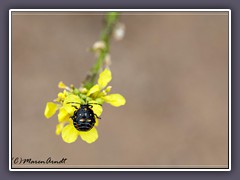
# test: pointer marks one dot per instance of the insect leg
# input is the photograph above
(73, 102)
(97, 116)
(75, 107)
(95, 103)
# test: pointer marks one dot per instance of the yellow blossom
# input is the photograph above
(70, 100)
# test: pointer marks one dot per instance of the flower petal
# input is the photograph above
(96, 124)
(89, 136)
(59, 128)
(72, 99)
(104, 78)
(99, 100)
(93, 89)
(70, 109)
(69, 134)
(61, 95)
(115, 99)
(108, 89)
(96, 107)
(98, 94)
(63, 115)
(61, 85)
(50, 109)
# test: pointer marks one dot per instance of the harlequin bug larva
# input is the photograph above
(84, 117)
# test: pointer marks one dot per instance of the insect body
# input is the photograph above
(84, 118)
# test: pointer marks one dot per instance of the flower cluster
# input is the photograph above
(96, 96)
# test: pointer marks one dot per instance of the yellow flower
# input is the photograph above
(71, 99)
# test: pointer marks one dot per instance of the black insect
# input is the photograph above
(84, 118)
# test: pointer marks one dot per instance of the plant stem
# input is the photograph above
(110, 21)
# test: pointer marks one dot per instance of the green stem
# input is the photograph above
(110, 20)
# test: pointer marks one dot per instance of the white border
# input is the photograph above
(120, 10)
(10, 90)
(229, 90)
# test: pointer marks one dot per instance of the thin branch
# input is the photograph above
(110, 22)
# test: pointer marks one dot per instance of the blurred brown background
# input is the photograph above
(172, 69)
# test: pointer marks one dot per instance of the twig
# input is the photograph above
(110, 22)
